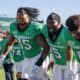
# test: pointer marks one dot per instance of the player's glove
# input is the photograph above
(2, 57)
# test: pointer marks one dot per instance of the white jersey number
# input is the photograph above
(25, 44)
(57, 53)
(16, 52)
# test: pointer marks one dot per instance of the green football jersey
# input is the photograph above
(75, 44)
(59, 46)
(27, 39)
(9, 57)
(17, 53)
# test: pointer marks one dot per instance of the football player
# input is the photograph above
(73, 24)
(56, 35)
(29, 36)
(8, 61)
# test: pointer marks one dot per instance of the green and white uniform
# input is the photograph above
(58, 47)
(59, 53)
(8, 64)
(75, 44)
(29, 45)
(27, 39)
(18, 57)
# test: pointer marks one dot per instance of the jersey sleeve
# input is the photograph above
(38, 28)
(12, 28)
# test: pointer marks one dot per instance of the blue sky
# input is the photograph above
(64, 8)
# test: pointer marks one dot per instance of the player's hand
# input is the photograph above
(50, 65)
(2, 57)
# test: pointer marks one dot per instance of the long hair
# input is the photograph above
(32, 12)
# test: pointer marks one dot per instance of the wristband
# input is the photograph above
(39, 62)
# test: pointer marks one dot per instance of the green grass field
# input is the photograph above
(2, 77)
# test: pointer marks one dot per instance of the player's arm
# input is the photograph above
(51, 59)
(9, 45)
(69, 56)
(43, 43)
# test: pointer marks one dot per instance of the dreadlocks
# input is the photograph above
(32, 12)
(73, 22)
